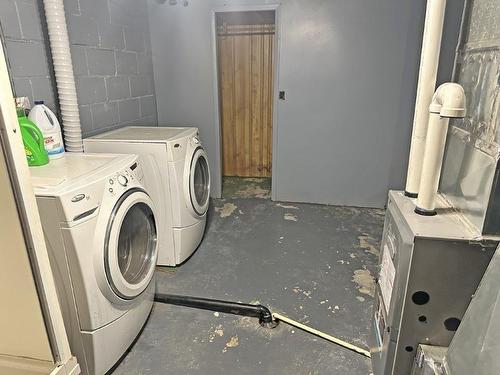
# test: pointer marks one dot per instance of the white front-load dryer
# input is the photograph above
(176, 173)
(100, 229)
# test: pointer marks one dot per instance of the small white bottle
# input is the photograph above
(47, 122)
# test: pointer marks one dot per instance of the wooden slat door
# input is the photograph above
(246, 65)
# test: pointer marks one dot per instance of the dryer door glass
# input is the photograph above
(131, 250)
(199, 182)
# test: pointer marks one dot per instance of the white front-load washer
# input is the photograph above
(100, 230)
(177, 175)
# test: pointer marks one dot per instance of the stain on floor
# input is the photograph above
(317, 271)
(369, 243)
(246, 187)
(365, 282)
(226, 210)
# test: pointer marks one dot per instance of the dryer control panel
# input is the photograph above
(178, 149)
(195, 141)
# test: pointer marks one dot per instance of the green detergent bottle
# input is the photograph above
(33, 141)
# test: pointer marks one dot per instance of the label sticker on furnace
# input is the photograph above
(387, 276)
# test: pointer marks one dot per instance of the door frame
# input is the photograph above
(215, 69)
(36, 253)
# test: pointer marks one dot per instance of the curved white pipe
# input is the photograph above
(63, 67)
(448, 102)
(429, 61)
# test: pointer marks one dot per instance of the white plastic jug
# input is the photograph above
(47, 122)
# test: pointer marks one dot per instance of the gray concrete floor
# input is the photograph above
(312, 263)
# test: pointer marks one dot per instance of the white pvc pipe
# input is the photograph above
(63, 67)
(429, 61)
(448, 102)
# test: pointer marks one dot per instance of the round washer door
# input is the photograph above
(131, 246)
(199, 182)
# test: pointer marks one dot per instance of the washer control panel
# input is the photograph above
(120, 181)
(83, 202)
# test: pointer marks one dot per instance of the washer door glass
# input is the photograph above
(199, 185)
(136, 243)
(132, 248)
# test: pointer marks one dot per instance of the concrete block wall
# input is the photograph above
(111, 49)
(111, 52)
(24, 35)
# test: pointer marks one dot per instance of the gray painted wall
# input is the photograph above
(349, 69)
(111, 51)
(183, 71)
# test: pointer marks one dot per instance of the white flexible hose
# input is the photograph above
(63, 67)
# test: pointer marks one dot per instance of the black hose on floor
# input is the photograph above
(266, 318)
(256, 311)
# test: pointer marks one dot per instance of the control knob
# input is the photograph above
(122, 180)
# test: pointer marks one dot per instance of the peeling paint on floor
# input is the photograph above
(259, 256)
(306, 293)
(219, 331)
(365, 281)
(286, 206)
(257, 180)
(290, 217)
(366, 242)
(251, 326)
(233, 342)
(244, 187)
(215, 332)
(226, 210)
(253, 192)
